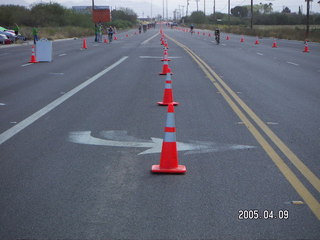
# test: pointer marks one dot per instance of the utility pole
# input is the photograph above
(197, 5)
(308, 16)
(151, 10)
(187, 8)
(251, 24)
(204, 6)
(92, 5)
(167, 10)
(214, 9)
(229, 12)
(162, 10)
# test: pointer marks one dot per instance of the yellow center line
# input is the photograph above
(221, 86)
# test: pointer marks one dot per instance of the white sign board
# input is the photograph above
(44, 50)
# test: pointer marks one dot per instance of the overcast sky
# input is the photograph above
(143, 7)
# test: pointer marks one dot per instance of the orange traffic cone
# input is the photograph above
(105, 40)
(165, 67)
(84, 44)
(167, 93)
(127, 35)
(115, 37)
(165, 55)
(257, 41)
(227, 38)
(169, 153)
(33, 56)
(203, 34)
(242, 39)
(274, 45)
(306, 47)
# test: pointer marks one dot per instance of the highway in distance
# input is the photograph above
(78, 137)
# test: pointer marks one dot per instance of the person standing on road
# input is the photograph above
(96, 32)
(16, 29)
(100, 32)
(110, 33)
(35, 35)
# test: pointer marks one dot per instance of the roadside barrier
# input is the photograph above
(169, 153)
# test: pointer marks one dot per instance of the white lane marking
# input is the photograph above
(146, 41)
(24, 65)
(261, 54)
(34, 117)
(57, 74)
(155, 57)
(223, 44)
(13, 122)
(292, 63)
(121, 139)
(272, 123)
(63, 54)
(2, 104)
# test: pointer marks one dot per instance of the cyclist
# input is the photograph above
(191, 28)
(140, 27)
(110, 33)
(217, 35)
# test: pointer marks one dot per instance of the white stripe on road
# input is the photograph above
(292, 63)
(146, 41)
(261, 54)
(34, 117)
(63, 54)
(24, 65)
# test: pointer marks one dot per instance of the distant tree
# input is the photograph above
(286, 10)
(300, 11)
(198, 17)
(126, 14)
(239, 11)
(48, 14)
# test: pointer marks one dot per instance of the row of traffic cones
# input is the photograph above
(169, 153)
(242, 39)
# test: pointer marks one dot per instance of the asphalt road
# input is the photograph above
(257, 107)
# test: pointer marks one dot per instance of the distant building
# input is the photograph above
(88, 9)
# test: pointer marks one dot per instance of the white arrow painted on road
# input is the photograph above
(121, 139)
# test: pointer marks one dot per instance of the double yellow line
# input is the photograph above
(233, 99)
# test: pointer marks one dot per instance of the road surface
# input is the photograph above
(254, 107)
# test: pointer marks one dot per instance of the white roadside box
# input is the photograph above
(44, 50)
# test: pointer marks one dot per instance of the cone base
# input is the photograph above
(306, 51)
(165, 73)
(166, 104)
(33, 62)
(158, 169)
